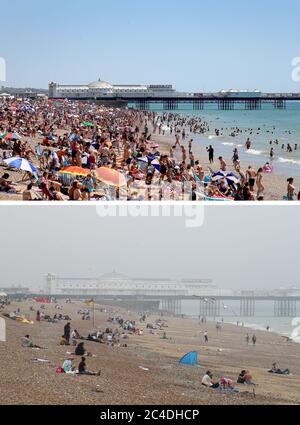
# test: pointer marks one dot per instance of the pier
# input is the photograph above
(198, 102)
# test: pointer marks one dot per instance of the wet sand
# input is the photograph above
(123, 381)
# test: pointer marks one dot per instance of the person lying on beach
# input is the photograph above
(82, 370)
(278, 371)
(207, 381)
(27, 343)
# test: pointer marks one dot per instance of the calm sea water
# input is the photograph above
(283, 125)
(264, 316)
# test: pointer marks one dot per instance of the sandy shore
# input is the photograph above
(123, 381)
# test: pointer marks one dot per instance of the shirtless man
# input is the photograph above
(75, 192)
(251, 176)
(223, 164)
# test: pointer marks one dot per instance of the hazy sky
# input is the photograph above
(196, 45)
(238, 247)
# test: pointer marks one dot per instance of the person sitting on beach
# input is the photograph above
(207, 381)
(83, 371)
(27, 343)
(245, 377)
(68, 366)
(80, 350)
(64, 341)
(226, 384)
(5, 184)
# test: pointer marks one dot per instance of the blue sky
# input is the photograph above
(195, 45)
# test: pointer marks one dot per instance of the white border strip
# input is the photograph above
(148, 204)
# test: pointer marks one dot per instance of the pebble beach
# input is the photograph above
(147, 371)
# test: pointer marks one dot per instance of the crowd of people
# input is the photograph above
(81, 151)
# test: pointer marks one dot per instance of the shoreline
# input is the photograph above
(275, 183)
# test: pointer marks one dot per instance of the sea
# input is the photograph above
(264, 317)
(261, 126)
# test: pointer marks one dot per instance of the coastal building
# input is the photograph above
(117, 284)
(15, 290)
(102, 89)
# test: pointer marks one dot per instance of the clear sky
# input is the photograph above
(238, 247)
(196, 45)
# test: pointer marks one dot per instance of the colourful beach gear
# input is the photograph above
(111, 177)
(190, 359)
(75, 171)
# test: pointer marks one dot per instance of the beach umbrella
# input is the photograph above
(152, 160)
(3, 135)
(111, 177)
(75, 171)
(21, 164)
(87, 124)
(229, 177)
(11, 136)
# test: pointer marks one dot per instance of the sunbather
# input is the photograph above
(278, 371)
(27, 343)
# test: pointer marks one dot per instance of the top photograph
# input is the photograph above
(127, 101)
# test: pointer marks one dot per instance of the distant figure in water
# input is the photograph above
(248, 144)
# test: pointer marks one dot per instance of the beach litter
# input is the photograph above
(144, 368)
(41, 361)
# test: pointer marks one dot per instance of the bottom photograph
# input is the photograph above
(188, 307)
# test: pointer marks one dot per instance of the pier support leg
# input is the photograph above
(247, 307)
(285, 307)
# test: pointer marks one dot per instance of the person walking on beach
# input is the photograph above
(211, 153)
(38, 316)
(206, 337)
(67, 331)
(251, 175)
(247, 339)
(259, 182)
(290, 189)
(254, 339)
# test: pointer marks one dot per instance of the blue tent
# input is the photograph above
(190, 359)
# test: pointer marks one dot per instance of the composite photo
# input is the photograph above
(150, 204)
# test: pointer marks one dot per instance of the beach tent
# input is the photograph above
(190, 359)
